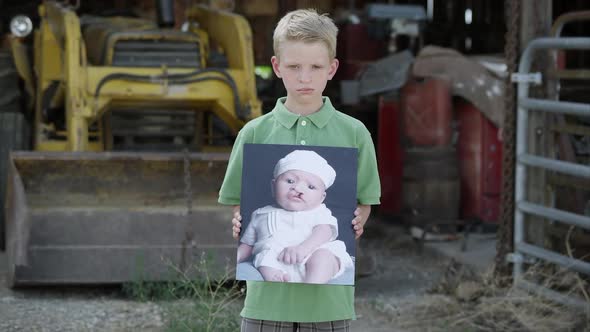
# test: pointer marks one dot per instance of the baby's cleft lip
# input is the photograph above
(295, 198)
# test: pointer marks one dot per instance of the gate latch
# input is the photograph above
(535, 78)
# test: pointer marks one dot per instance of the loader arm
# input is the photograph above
(234, 35)
(65, 25)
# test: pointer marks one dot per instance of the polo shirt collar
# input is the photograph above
(288, 118)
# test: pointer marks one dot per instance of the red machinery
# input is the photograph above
(389, 154)
(480, 163)
(427, 112)
(420, 126)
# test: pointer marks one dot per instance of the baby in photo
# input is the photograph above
(295, 239)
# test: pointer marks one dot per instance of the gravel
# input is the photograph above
(74, 311)
(402, 273)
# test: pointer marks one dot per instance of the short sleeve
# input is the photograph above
(232, 182)
(368, 184)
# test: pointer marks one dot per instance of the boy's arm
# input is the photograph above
(319, 235)
(368, 183)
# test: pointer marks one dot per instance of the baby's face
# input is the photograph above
(299, 190)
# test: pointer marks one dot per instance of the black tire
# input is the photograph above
(14, 129)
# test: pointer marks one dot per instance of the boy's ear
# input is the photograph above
(275, 65)
(333, 68)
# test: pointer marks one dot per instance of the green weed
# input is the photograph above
(196, 299)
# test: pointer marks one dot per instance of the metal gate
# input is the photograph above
(526, 160)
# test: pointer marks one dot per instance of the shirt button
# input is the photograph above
(303, 123)
(302, 142)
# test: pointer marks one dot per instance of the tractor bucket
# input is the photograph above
(97, 218)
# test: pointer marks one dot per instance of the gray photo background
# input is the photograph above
(257, 172)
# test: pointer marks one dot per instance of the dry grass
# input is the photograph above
(465, 301)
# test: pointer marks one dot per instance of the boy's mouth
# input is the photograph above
(305, 90)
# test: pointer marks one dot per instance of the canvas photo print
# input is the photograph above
(297, 206)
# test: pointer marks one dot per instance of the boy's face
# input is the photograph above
(305, 68)
(297, 190)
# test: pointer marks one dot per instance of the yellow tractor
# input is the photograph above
(131, 124)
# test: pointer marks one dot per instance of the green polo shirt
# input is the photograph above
(326, 127)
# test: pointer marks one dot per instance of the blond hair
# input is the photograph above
(308, 26)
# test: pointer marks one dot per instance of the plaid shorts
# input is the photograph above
(255, 325)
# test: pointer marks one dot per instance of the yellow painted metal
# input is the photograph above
(233, 33)
(48, 67)
(88, 92)
(90, 196)
(204, 45)
(66, 25)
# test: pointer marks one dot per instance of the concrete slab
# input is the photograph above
(479, 253)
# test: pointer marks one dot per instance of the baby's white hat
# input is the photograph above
(308, 161)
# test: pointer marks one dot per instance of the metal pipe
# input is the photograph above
(520, 181)
(553, 257)
(552, 106)
(165, 12)
(576, 303)
(562, 20)
(430, 9)
(555, 165)
(569, 74)
(520, 184)
(555, 214)
(570, 43)
(522, 126)
(556, 31)
(520, 174)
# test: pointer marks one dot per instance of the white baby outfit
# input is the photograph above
(272, 229)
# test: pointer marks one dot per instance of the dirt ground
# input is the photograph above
(402, 277)
(403, 273)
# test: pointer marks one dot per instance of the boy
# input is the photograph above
(305, 47)
(295, 240)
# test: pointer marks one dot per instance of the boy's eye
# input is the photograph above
(317, 67)
(290, 181)
(293, 66)
(311, 187)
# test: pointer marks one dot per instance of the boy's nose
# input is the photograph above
(304, 76)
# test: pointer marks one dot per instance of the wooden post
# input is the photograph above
(537, 17)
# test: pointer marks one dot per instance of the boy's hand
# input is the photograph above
(236, 222)
(293, 255)
(361, 214)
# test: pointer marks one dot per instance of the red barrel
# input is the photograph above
(389, 155)
(427, 112)
(480, 160)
